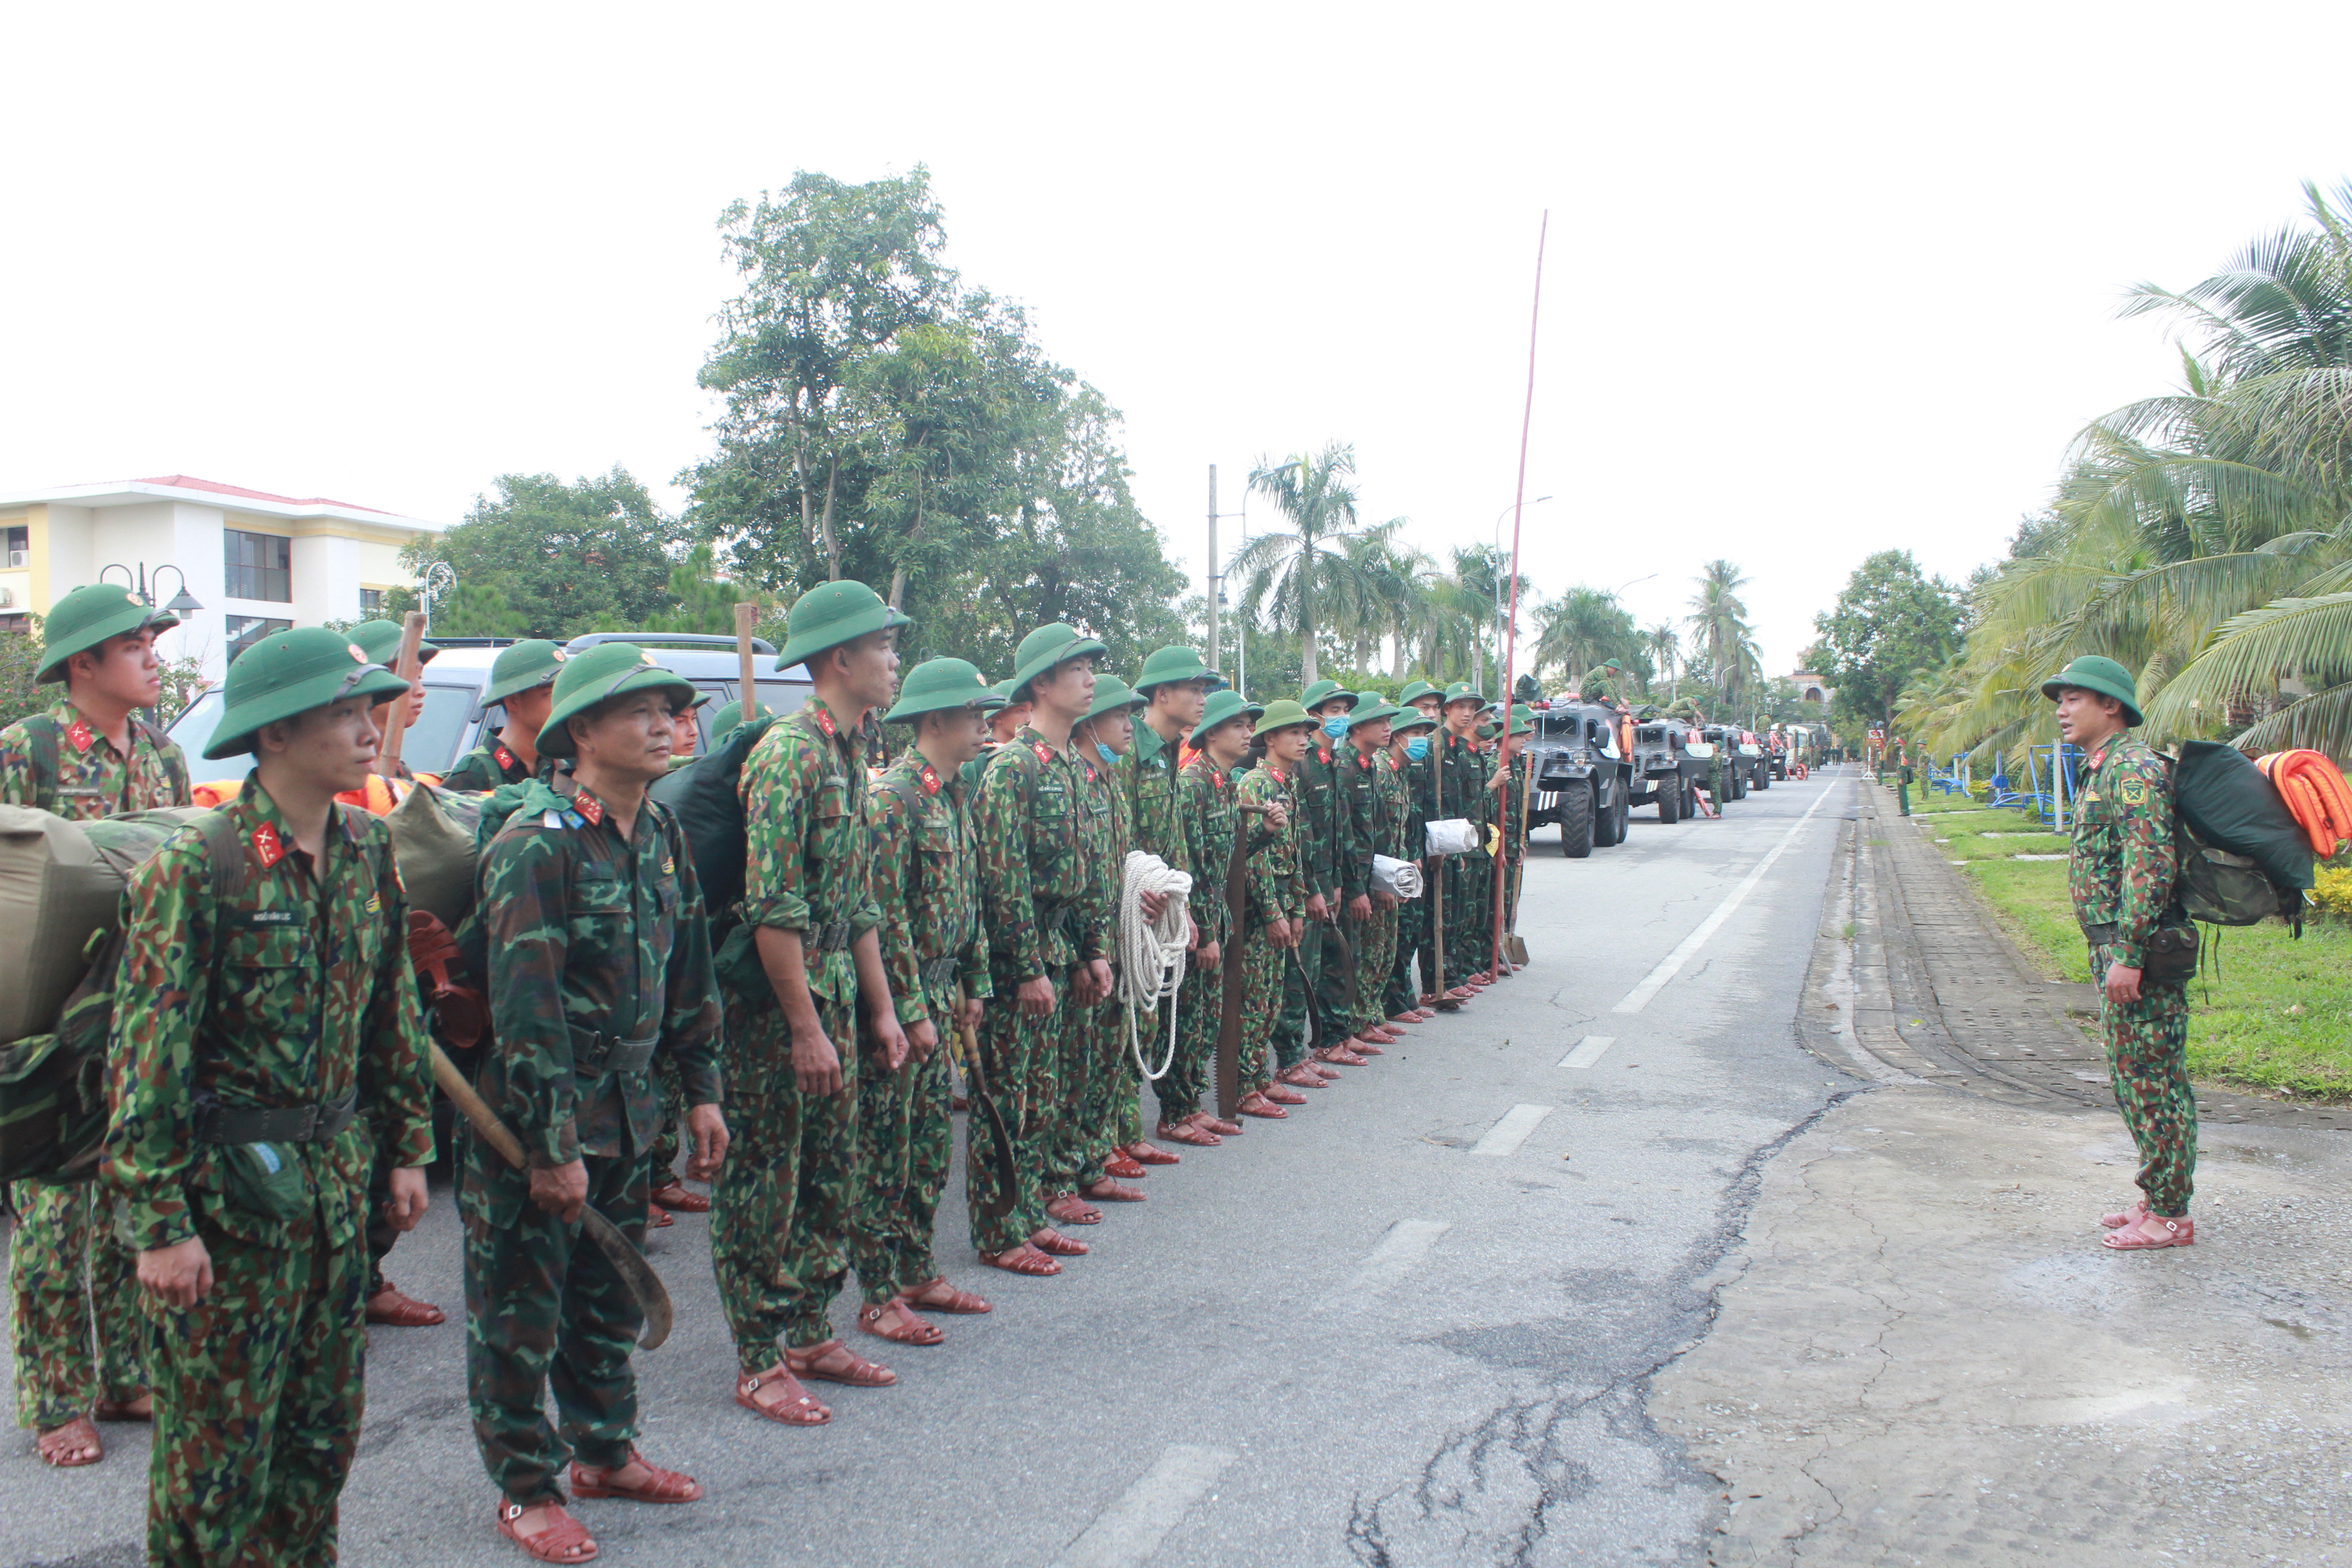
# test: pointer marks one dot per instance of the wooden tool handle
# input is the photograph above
(474, 1108)
(405, 664)
(744, 615)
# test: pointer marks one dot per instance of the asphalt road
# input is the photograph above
(1414, 1324)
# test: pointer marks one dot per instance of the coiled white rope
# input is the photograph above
(1152, 954)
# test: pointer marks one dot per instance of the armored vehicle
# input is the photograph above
(1582, 775)
(1663, 768)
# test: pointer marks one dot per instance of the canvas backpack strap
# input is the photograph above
(42, 731)
(175, 762)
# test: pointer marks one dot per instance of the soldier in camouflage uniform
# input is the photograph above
(1463, 779)
(1206, 794)
(599, 959)
(88, 756)
(1274, 1065)
(926, 883)
(1323, 831)
(1510, 786)
(266, 1035)
(1174, 684)
(1003, 725)
(521, 684)
(1109, 1091)
(1041, 897)
(795, 975)
(1411, 738)
(1377, 801)
(1606, 684)
(2121, 874)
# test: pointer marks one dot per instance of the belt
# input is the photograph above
(280, 1124)
(940, 972)
(826, 936)
(595, 1054)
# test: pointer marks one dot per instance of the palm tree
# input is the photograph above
(1665, 650)
(1285, 574)
(1721, 639)
(1581, 628)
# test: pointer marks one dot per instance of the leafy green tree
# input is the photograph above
(1584, 626)
(1285, 574)
(479, 609)
(1891, 622)
(563, 558)
(20, 655)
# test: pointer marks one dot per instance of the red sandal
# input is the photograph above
(1154, 1154)
(1257, 1104)
(1109, 1192)
(908, 1330)
(798, 1408)
(2128, 1216)
(659, 1486)
(1298, 1075)
(2181, 1232)
(391, 1308)
(675, 1194)
(1054, 1244)
(1190, 1133)
(1124, 1166)
(566, 1539)
(76, 1437)
(1022, 1259)
(1217, 1124)
(1071, 1209)
(962, 1302)
(855, 1370)
(1283, 1096)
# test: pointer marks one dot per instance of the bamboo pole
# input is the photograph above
(1519, 507)
(405, 663)
(744, 615)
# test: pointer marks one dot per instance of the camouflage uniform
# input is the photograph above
(1382, 806)
(1106, 1092)
(1205, 796)
(1469, 878)
(1348, 945)
(1415, 918)
(295, 992)
(1323, 808)
(1602, 684)
(488, 765)
(925, 863)
(1156, 809)
(69, 1271)
(1273, 989)
(1511, 809)
(2121, 876)
(1039, 895)
(782, 1211)
(598, 949)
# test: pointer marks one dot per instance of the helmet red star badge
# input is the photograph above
(359, 655)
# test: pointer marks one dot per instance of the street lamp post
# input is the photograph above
(440, 580)
(184, 604)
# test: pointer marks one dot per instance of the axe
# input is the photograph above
(638, 1275)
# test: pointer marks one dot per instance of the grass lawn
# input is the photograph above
(2275, 1018)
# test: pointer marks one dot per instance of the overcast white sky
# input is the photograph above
(1823, 280)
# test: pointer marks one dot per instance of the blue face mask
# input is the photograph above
(1417, 747)
(1335, 726)
(1109, 757)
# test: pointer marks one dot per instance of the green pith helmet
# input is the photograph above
(1220, 707)
(519, 668)
(725, 718)
(1172, 664)
(1410, 719)
(1283, 714)
(608, 669)
(1377, 710)
(292, 672)
(86, 617)
(380, 640)
(938, 684)
(1523, 719)
(1415, 690)
(1323, 691)
(2093, 672)
(1041, 650)
(1612, 664)
(1111, 694)
(833, 615)
(1463, 691)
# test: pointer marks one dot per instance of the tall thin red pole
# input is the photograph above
(1511, 638)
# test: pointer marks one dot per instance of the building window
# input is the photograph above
(259, 567)
(372, 603)
(18, 547)
(244, 631)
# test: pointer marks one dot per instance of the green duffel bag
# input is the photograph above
(433, 843)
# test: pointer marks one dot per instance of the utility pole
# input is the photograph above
(1213, 566)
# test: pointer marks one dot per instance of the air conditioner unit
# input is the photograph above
(18, 560)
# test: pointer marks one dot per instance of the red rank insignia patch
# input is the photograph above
(1325, 754)
(930, 780)
(1217, 778)
(1044, 752)
(265, 845)
(825, 722)
(79, 733)
(589, 806)
(505, 757)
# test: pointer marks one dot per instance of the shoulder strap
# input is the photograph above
(175, 760)
(223, 853)
(42, 731)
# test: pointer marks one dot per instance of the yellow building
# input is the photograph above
(255, 562)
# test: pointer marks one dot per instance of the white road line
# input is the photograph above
(1406, 1243)
(1588, 1051)
(1507, 1135)
(1130, 1530)
(1671, 964)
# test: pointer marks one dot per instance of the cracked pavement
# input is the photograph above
(1489, 1400)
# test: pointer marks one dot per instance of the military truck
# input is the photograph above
(1756, 758)
(1581, 777)
(1664, 771)
(1724, 738)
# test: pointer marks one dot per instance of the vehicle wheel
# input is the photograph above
(1606, 828)
(1575, 823)
(1624, 818)
(1670, 799)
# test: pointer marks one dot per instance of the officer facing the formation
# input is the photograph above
(599, 959)
(1048, 949)
(88, 756)
(2121, 874)
(522, 684)
(265, 1031)
(810, 956)
(1206, 796)
(1174, 684)
(1109, 1099)
(926, 865)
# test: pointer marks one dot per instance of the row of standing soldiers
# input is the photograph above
(974, 889)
